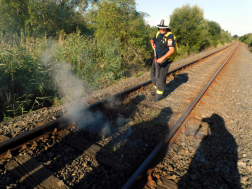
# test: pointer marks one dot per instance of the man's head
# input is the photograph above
(164, 27)
(163, 31)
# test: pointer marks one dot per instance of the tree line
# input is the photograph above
(102, 41)
(247, 38)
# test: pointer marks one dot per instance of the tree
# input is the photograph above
(247, 38)
(39, 17)
(119, 20)
(13, 15)
(214, 30)
(235, 36)
(190, 28)
(225, 37)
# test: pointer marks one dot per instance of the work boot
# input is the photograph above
(157, 97)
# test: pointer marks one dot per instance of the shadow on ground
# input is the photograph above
(217, 154)
(178, 80)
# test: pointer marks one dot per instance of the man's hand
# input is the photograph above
(169, 53)
(160, 60)
(153, 45)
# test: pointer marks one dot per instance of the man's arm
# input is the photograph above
(169, 53)
(152, 43)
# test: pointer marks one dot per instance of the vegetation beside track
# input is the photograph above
(45, 43)
(247, 38)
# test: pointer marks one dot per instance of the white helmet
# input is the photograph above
(164, 23)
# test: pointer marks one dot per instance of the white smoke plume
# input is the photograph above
(72, 88)
(68, 85)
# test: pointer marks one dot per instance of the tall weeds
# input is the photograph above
(26, 81)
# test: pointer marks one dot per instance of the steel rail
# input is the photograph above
(20, 140)
(145, 165)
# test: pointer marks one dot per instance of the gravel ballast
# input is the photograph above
(216, 149)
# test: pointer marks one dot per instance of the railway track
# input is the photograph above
(113, 138)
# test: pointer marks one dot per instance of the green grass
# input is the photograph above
(139, 74)
(35, 71)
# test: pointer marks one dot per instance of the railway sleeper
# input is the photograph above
(29, 171)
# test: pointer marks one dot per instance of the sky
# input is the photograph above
(234, 16)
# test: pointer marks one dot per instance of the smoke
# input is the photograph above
(68, 85)
(121, 120)
(71, 88)
(106, 130)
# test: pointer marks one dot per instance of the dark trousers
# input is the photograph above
(159, 73)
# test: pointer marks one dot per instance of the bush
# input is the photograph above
(225, 37)
(214, 31)
(95, 61)
(41, 18)
(118, 20)
(24, 82)
(247, 38)
(190, 28)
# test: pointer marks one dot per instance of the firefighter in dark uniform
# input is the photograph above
(164, 43)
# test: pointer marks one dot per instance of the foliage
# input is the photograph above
(24, 83)
(28, 82)
(225, 37)
(9, 21)
(247, 38)
(190, 28)
(42, 17)
(95, 61)
(139, 74)
(118, 19)
(214, 30)
(235, 36)
(153, 31)
(193, 32)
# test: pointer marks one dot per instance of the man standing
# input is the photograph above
(164, 44)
